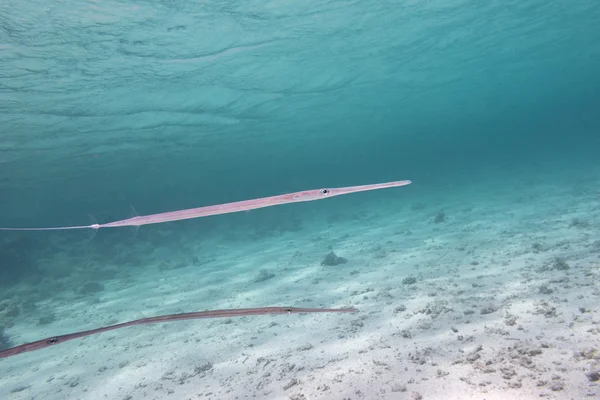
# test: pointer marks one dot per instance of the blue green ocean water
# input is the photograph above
(490, 108)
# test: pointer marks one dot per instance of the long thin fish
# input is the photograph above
(241, 312)
(307, 195)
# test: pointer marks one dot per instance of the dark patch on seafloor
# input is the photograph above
(332, 259)
(4, 340)
(17, 261)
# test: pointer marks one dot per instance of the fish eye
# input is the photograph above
(324, 191)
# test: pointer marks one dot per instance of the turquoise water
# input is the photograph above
(490, 108)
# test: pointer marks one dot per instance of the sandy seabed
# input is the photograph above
(487, 294)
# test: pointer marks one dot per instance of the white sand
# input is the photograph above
(491, 315)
